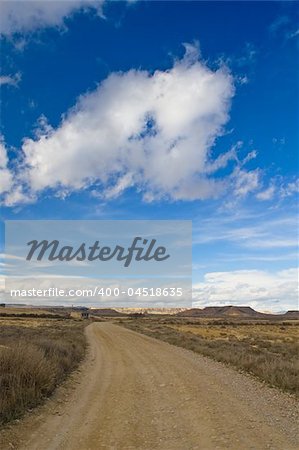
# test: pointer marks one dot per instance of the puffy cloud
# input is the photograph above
(152, 131)
(18, 196)
(259, 289)
(23, 16)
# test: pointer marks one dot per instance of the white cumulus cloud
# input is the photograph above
(151, 131)
(259, 289)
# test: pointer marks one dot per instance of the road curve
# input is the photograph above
(137, 393)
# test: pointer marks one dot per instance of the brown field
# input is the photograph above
(268, 350)
(36, 354)
(50, 313)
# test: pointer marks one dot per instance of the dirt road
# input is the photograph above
(138, 393)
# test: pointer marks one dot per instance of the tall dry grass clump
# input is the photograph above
(34, 361)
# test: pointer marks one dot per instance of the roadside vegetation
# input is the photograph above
(267, 350)
(36, 354)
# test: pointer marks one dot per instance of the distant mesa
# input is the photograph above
(291, 315)
(239, 312)
(233, 311)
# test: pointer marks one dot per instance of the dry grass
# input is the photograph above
(27, 312)
(268, 350)
(35, 356)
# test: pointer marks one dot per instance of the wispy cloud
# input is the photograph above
(284, 26)
(23, 17)
(10, 80)
(267, 194)
(255, 231)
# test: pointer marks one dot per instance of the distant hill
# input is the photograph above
(129, 311)
(9, 311)
(223, 311)
(291, 315)
(105, 312)
(149, 311)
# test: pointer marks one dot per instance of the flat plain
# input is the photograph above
(148, 382)
(267, 349)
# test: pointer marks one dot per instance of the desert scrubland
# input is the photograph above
(267, 349)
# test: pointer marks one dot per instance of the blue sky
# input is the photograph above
(161, 110)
